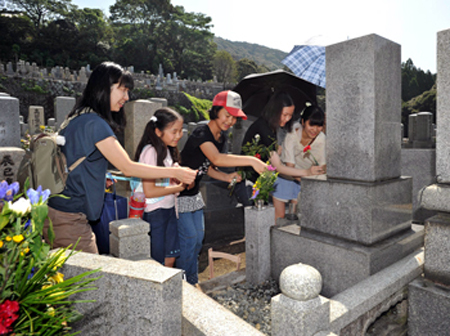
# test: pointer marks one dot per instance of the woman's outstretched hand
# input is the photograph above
(275, 159)
(259, 166)
(185, 175)
(318, 170)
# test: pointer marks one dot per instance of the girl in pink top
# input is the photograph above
(158, 147)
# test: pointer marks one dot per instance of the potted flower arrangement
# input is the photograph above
(263, 186)
(34, 296)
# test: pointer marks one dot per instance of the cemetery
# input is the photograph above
(372, 235)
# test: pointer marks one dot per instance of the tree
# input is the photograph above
(245, 67)
(414, 80)
(41, 11)
(224, 67)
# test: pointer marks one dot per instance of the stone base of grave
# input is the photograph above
(364, 212)
(341, 263)
(437, 248)
(429, 308)
(420, 164)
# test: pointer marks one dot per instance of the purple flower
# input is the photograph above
(255, 193)
(27, 224)
(35, 195)
(7, 192)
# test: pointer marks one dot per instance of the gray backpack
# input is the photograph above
(44, 164)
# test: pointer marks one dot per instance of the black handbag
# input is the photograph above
(115, 207)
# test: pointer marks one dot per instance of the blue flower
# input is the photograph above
(27, 224)
(31, 274)
(11, 191)
(38, 195)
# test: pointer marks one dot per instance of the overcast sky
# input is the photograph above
(284, 23)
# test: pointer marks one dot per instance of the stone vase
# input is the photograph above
(257, 243)
(259, 204)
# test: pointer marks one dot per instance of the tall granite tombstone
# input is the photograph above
(9, 121)
(63, 106)
(358, 219)
(35, 119)
(429, 299)
(138, 114)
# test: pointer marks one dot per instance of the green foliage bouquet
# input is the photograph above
(264, 184)
(34, 296)
(254, 148)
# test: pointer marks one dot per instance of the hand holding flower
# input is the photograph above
(259, 166)
(317, 170)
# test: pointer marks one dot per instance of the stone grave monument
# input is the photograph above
(9, 121)
(429, 300)
(357, 221)
(63, 106)
(35, 119)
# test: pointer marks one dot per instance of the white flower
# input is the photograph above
(21, 207)
(257, 137)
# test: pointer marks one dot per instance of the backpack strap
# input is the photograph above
(76, 163)
(67, 120)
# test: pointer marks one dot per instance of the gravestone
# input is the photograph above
(360, 215)
(161, 101)
(429, 301)
(138, 114)
(10, 159)
(9, 69)
(35, 119)
(9, 122)
(63, 106)
(158, 83)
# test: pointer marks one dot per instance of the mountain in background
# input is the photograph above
(271, 58)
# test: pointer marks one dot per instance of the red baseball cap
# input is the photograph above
(231, 101)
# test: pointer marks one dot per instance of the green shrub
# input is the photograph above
(199, 106)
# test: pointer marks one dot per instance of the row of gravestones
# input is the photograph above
(159, 81)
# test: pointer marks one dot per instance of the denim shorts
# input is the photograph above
(163, 233)
(286, 190)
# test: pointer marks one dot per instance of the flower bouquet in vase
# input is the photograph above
(263, 186)
(253, 148)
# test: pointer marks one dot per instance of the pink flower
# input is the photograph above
(271, 168)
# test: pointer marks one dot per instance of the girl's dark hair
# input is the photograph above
(314, 114)
(214, 112)
(96, 95)
(272, 111)
(164, 117)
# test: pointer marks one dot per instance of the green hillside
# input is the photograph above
(271, 58)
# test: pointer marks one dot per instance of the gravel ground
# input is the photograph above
(251, 303)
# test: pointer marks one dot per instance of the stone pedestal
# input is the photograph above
(258, 224)
(299, 310)
(429, 308)
(129, 239)
(342, 263)
(362, 212)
